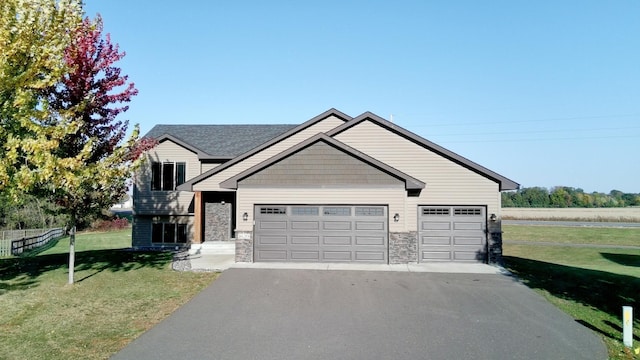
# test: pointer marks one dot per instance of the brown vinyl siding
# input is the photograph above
(320, 165)
(212, 183)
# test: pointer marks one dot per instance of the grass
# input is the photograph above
(573, 235)
(590, 284)
(117, 296)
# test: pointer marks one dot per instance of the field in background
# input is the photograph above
(631, 214)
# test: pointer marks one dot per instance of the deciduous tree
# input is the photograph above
(63, 141)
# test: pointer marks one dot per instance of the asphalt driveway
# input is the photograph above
(310, 314)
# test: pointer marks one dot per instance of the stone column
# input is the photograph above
(495, 242)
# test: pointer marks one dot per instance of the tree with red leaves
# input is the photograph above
(88, 99)
(87, 92)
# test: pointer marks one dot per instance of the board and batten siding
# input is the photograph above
(213, 182)
(447, 183)
(249, 197)
(320, 165)
(165, 202)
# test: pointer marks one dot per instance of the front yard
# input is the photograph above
(118, 295)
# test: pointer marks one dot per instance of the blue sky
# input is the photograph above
(546, 93)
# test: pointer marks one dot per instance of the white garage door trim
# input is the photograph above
(452, 233)
(321, 233)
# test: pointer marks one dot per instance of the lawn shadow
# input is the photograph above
(24, 272)
(623, 259)
(618, 328)
(602, 290)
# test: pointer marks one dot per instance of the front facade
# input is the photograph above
(333, 189)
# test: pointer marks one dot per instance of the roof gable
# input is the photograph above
(322, 160)
(218, 141)
(505, 183)
(187, 186)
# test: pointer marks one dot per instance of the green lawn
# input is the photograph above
(118, 295)
(573, 235)
(590, 284)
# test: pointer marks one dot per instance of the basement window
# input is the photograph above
(168, 233)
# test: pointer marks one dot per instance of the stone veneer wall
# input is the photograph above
(217, 222)
(495, 242)
(403, 247)
(244, 246)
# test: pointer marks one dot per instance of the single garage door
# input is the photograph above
(321, 233)
(452, 233)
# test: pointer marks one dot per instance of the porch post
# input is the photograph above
(197, 220)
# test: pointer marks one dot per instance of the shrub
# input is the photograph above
(116, 223)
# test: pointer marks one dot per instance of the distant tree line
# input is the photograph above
(565, 197)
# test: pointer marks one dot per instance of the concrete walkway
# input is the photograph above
(214, 262)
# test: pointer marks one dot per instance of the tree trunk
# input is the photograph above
(72, 248)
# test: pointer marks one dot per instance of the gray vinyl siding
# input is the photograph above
(213, 183)
(141, 231)
(249, 197)
(447, 183)
(165, 202)
(320, 165)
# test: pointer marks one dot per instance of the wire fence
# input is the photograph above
(16, 242)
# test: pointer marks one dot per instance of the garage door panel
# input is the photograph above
(336, 240)
(370, 240)
(436, 240)
(336, 225)
(271, 255)
(305, 255)
(305, 225)
(467, 240)
(273, 225)
(337, 256)
(369, 255)
(437, 255)
(369, 225)
(432, 225)
(272, 239)
(467, 226)
(305, 240)
(452, 233)
(319, 233)
(468, 256)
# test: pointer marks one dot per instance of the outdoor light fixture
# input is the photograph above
(396, 217)
(492, 217)
(245, 217)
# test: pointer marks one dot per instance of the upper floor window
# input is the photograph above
(167, 176)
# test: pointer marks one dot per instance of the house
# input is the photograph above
(335, 188)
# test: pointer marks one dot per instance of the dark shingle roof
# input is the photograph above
(223, 141)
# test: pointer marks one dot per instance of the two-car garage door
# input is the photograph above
(350, 233)
(321, 233)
